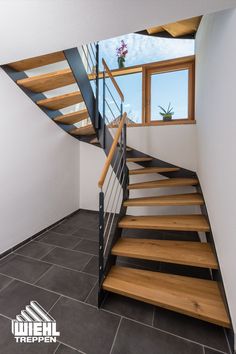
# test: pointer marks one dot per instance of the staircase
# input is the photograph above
(189, 295)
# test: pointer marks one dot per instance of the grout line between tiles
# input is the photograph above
(55, 264)
(42, 275)
(56, 348)
(54, 303)
(116, 334)
(91, 291)
(68, 249)
(69, 346)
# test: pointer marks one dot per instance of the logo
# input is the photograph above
(34, 324)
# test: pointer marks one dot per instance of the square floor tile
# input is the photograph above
(191, 328)
(65, 241)
(17, 295)
(67, 282)
(66, 227)
(92, 267)
(87, 234)
(84, 327)
(34, 249)
(23, 268)
(4, 281)
(88, 246)
(8, 344)
(133, 309)
(135, 338)
(70, 259)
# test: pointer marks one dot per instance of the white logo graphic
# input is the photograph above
(34, 324)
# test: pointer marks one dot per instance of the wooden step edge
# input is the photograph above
(61, 101)
(167, 183)
(49, 81)
(198, 298)
(166, 200)
(35, 62)
(72, 118)
(181, 222)
(138, 159)
(86, 130)
(187, 253)
(146, 170)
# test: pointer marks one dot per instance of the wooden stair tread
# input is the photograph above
(198, 298)
(94, 141)
(46, 82)
(138, 159)
(179, 252)
(183, 27)
(31, 63)
(145, 170)
(72, 118)
(166, 222)
(171, 182)
(175, 199)
(61, 101)
(86, 130)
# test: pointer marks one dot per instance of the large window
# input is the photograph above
(169, 84)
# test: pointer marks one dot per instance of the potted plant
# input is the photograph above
(166, 113)
(121, 53)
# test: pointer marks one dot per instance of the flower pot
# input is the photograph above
(121, 62)
(167, 117)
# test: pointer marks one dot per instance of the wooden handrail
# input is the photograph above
(113, 80)
(112, 151)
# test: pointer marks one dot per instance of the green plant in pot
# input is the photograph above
(168, 113)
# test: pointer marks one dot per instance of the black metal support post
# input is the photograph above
(101, 246)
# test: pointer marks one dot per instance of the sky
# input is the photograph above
(165, 88)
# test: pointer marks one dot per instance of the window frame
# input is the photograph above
(183, 63)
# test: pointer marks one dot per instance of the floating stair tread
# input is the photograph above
(72, 118)
(183, 27)
(128, 148)
(36, 62)
(61, 101)
(145, 170)
(195, 254)
(138, 159)
(94, 141)
(46, 82)
(175, 199)
(171, 182)
(86, 130)
(198, 298)
(166, 222)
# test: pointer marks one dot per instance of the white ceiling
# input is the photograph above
(33, 27)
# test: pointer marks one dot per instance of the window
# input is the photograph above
(169, 89)
(169, 84)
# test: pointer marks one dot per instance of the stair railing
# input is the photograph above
(113, 188)
(90, 57)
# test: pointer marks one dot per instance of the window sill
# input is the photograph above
(160, 122)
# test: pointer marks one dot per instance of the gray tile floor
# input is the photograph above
(59, 270)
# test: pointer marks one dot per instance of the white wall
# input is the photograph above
(39, 176)
(174, 144)
(30, 28)
(216, 134)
